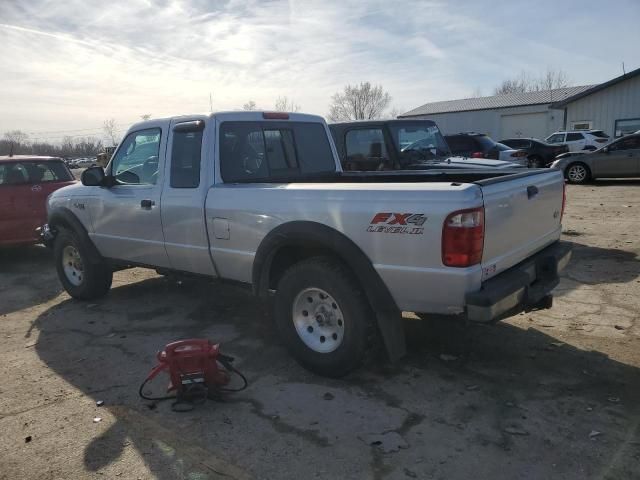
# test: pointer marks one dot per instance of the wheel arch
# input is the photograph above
(62, 217)
(294, 241)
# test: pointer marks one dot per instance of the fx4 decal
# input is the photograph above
(402, 223)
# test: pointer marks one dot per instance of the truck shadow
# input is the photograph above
(106, 349)
(596, 266)
(27, 276)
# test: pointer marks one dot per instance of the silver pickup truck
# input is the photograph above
(259, 198)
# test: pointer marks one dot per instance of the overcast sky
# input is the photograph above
(68, 65)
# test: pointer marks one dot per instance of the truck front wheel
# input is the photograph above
(80, 277)
(323, 316)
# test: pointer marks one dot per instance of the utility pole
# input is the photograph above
(623, 71)
(210, 103)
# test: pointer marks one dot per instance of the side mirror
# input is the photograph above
(93, 177)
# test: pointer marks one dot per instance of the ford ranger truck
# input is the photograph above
(260, 198)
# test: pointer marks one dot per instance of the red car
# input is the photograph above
(25, 183)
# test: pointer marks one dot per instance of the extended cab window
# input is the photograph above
(185, 159)
(366, 150)
(257, 151)
(136, 161)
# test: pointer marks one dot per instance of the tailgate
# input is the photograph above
(522, 216)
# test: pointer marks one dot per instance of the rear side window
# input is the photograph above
(16, 173)
(259, 151)
(366, 149)
(572, 137)
(185, 159)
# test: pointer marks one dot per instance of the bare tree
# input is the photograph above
(249, 106)
(394, 112)
(553, 79)
(110, 130)
(17, 137)
(359, 102)
(146, 116)
(284, 104)
(526, 82)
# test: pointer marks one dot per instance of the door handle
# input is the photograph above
(147, 204)
(532, 191)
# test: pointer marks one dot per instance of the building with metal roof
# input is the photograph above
(613, 106)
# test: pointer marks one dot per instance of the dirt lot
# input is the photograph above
(551, 394)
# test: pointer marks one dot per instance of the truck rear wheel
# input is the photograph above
(81, 278)
(324, 317)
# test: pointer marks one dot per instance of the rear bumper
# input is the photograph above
(525, 286)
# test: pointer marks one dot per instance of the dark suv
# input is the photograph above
(539, 153)
(479, 145)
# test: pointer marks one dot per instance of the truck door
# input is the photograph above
(184, 194)
(126, 216)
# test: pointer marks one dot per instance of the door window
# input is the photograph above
(366, 150)
(185, 159)
(631, 143)
(136, 161)
(556, 138)
(574, 137)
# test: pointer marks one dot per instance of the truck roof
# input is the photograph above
(240, 116)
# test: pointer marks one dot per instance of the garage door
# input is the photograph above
(524, 125)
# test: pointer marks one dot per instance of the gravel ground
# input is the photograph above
(549, 394)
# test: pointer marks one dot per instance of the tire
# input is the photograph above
(81, 278)
(330, 336)
(577, 173)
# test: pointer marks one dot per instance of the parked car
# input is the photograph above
(381, 145)
(270, 207)
(577, 140)
(621, 158)
(25, 183)
(539, 153)
(479, 145)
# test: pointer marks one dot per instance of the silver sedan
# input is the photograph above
(620, 158)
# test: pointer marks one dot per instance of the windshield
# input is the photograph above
(418, 142)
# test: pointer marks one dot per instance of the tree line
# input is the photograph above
(362, 101)
(17, 142)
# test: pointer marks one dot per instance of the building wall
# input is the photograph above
(603, 108)
(501, 123)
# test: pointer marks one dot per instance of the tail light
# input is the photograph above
(564, 199)
(519, 153)
(463, 238)
(602, 140)
(477, 155)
